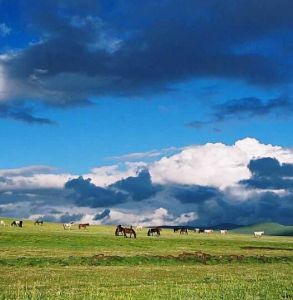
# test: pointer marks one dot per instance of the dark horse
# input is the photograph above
(83, 225)
(17, 223)
(153, 231)
(183, 231)
(119, 230)
(176, 229)
(124, 231)
(39, 222)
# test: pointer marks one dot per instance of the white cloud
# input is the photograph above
(152, 154)
(32, 177)
(26, 171)
(217, 165)
(107, 175)
(157, 217)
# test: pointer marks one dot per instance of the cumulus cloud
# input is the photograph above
(216, 165)
(156, 217)
(139, 187)
(86, 193)
(268, 173)
(208, 184)
(104, 214)
(106, 175)
(32, 177)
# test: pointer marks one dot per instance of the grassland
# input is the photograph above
(47, 262)
(268, 228)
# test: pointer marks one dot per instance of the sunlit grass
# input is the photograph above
(47, 262)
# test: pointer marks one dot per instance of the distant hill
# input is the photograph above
(268, 228)
(228, 226)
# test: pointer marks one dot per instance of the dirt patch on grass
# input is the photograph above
(101, 259)
(187, 257)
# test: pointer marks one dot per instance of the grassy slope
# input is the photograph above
(268, 228)
(50, 263)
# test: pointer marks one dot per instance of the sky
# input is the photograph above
(147, 112)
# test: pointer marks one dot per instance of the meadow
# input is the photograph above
(47, 262)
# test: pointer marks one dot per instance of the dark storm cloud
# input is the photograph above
(21, 113)
(85, 193)
(264, 207)
(268, 173)
(195, 193)
(245, 108)
(139, 187)
(126, 48)
(66, 218)
(51, 196)
(251, 107)
(102, 215)
(214, 206)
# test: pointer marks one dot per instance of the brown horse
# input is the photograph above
(129, 231)
(125, 231)
(83, 225)
(39, 222)
(153, 231)
(183, 231)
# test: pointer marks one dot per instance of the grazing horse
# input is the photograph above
(129, 231)
(258, 233)
(83, 225)
(119, 230)
(39, 222)
(17, 223)
(201, 231)
(224, 231)
(208, 231)
(196, 230)
(183, 231)
(67, 225)
(153, 231)
(176, 229)
(2, 223)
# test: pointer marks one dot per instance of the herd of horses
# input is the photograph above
(156, 231)
(129, 231)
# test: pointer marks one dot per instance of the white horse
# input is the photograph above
(208, 231)
(223, 231)
(258, 233)
(68, 225)
(139, 227)
(2, 223)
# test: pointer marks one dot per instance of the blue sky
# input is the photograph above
(84, 82)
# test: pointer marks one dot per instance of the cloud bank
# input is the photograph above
(207, 184)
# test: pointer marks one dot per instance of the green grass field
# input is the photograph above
(47, 262)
